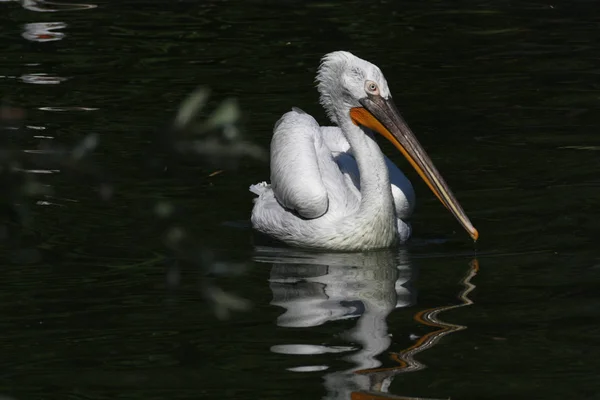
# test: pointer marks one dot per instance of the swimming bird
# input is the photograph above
(331, 187)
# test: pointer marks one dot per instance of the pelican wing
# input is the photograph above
(295, 174)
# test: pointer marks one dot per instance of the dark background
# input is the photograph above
(504, 96)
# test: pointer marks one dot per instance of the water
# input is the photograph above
(502, 95)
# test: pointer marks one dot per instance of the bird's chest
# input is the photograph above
(376, 229)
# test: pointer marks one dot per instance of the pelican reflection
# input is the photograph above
(315, 288)
(319, 288)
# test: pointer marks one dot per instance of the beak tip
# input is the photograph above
(474, 234)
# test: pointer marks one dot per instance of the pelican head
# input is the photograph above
(354, 89)
(341, 83)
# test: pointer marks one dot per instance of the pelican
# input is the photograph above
(331, 186)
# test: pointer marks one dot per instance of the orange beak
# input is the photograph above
(382, 116)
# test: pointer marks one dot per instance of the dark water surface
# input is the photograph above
(505, 97)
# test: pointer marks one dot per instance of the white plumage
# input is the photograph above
(332, 187)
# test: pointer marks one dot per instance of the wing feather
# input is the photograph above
(295, 176)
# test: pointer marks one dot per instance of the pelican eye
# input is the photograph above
(371, 88)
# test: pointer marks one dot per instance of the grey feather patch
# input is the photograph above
(298, 110)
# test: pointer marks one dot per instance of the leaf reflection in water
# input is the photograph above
(317, 288)
(214, 140)
(217, 139)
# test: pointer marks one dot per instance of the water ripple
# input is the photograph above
(50, 6)
(38, 171)
(42, 79)
(73, 108)
(43, 31)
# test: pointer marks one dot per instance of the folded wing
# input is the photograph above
(295, 174)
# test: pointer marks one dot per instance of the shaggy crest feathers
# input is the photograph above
(341, 79)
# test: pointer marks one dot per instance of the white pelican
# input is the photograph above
(332, 187)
